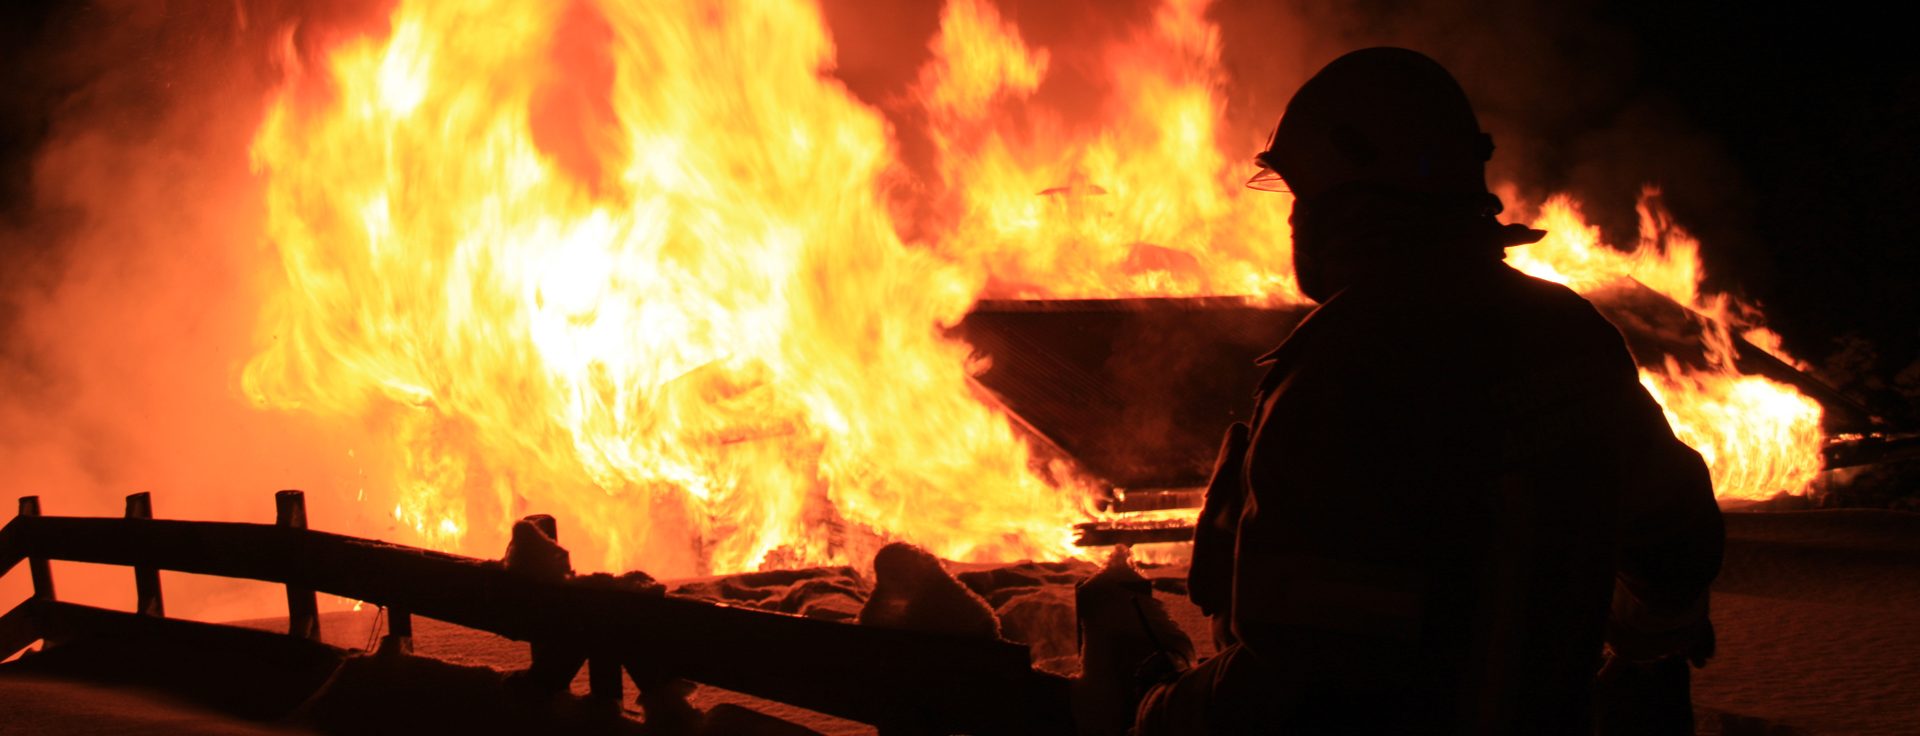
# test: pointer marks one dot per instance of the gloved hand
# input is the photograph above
(1695, 642)
(1639, 634)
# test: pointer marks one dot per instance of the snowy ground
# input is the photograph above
(1818, 615)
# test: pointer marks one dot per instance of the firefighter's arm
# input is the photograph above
(1671, 539)
(1210, 577)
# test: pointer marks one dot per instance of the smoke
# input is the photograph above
(129, 260)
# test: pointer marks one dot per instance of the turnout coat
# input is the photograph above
(1454, 490)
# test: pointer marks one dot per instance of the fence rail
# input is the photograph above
(892, 678)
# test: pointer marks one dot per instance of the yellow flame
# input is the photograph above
(1760, 438)
(719, 357)
(632, 264)
(1142, 201)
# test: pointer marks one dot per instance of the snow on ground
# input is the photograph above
(36, 705)
(1818, 616)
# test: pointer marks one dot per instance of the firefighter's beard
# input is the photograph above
(1314, 270)
(1322, 262)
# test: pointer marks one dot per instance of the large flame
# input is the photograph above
(1760, 438)
(1144, 203)
(634, 264)
(716, 354)
(1140, 201)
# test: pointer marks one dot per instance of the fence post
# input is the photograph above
(399, 638)
(603, 670)
(603, 678)
(303, 610)
(41, 570)
(547, 525)
(535, 552)
(146, 580)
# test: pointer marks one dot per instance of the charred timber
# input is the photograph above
(1106, 534)
(1872, 449)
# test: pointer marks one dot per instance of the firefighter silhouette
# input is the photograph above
(1455, 505)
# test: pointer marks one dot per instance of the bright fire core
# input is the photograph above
(647, 267)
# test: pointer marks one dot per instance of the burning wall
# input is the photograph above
(657, 271)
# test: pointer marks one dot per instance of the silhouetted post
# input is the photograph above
(146, 580)
(303, 611)
(42, 571)
(603, 678)
(603, 671)
(547, 525)
(535, 552)
(399, 638)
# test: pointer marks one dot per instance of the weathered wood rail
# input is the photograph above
(899, 680)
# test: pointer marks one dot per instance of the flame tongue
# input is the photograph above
(630, 264)
(1141, 202)
(718, 355)
(1760, 438)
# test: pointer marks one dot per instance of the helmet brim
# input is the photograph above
(1268, 180)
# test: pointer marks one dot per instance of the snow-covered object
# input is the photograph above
(828, 593)
(912, 590)
(532, 552)
(1042, 619)
(1123, 632)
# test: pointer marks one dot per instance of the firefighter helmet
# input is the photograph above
(1383, 116)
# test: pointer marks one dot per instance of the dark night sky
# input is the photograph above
(1821, 115)
(1810, 119)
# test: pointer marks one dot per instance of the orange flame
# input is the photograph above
(1142, 202)
(1760, 438)
(718, 356)
(632, 264)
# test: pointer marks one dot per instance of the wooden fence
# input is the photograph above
(900, 680)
